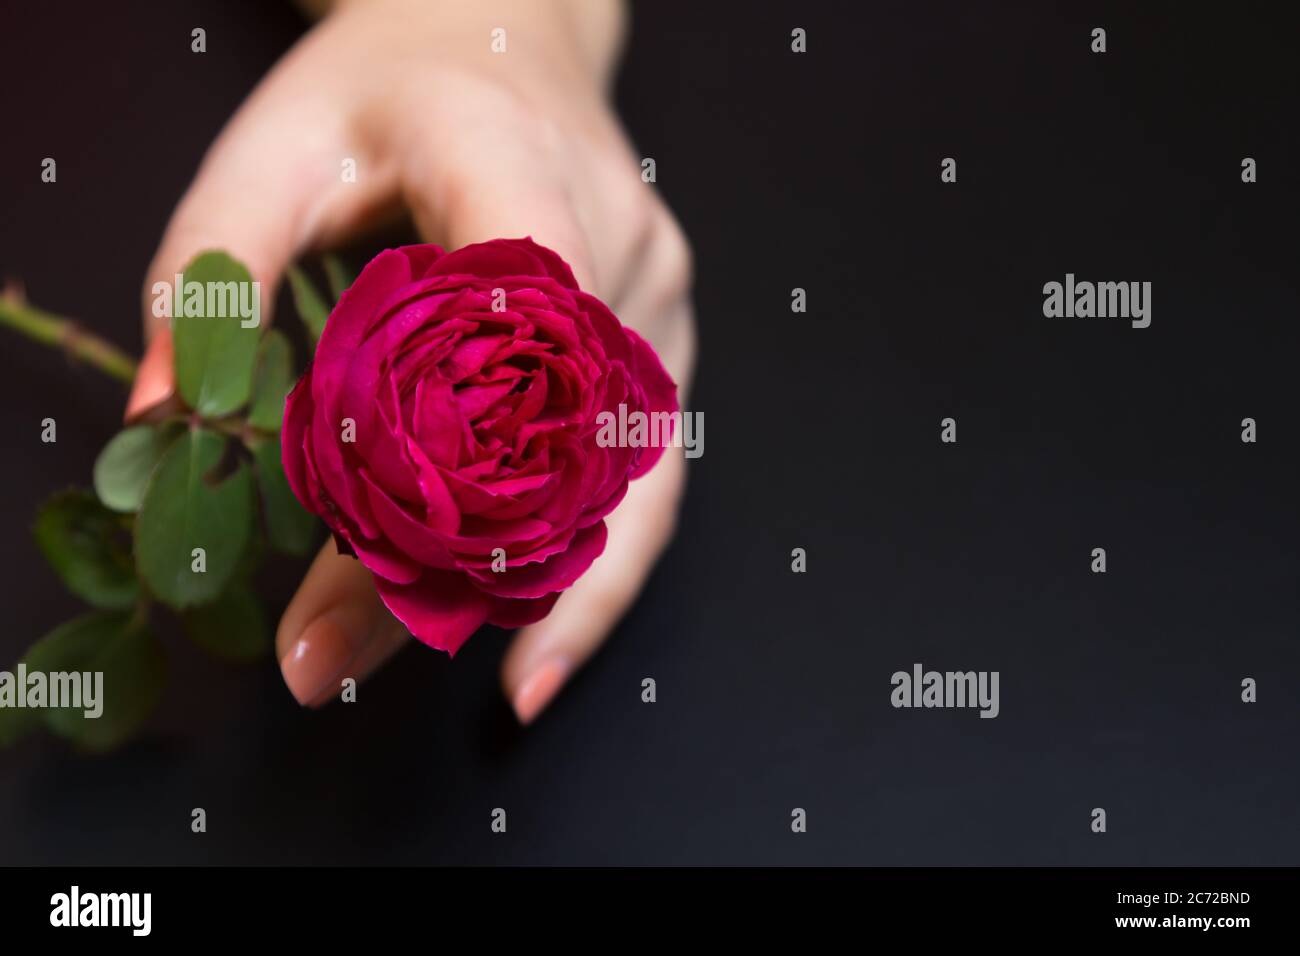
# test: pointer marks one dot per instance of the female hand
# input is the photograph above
(477, 145)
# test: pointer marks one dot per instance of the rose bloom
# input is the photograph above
(451, 411)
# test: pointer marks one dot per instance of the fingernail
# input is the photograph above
(154, 382)
(315, 665)
(538, 688)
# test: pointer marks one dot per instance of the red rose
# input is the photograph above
(451, 411)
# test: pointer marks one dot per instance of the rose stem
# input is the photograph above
(77, 342)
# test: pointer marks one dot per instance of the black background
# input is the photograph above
(819, 171)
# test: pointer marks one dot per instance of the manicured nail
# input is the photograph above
(315, 665)
(154, 382)
(538, 688)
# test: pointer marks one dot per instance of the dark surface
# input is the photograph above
(820, 171)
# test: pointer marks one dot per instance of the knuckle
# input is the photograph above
(674, 255)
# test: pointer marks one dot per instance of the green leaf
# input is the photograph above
(250, 562)
(131, 662)
(311, 307)
(89, 548)
(122, 469)
(214, 352)
(339, 276)
(289, 527)
(271, 382)
(234, 627)
(186, 507)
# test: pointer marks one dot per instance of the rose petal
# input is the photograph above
(556, 573)
(506, 612)
(441, 608)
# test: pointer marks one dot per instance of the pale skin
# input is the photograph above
(476, 145)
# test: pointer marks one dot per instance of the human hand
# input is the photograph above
(476, 145)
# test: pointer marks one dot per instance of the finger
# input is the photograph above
(507, 192)
(657, 303)
(544, 655)
(335, 627)
(271, 185)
